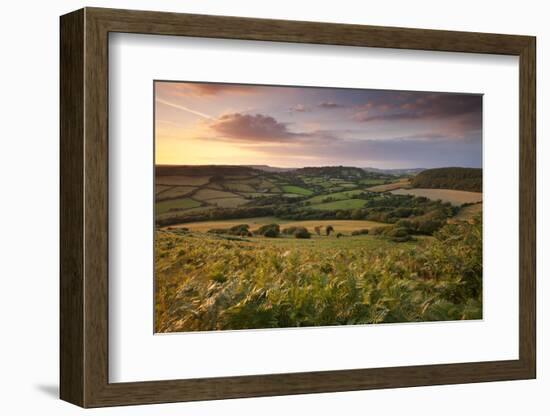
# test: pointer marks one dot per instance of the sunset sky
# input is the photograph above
(231, 124)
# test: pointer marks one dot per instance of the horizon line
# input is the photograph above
(315, 166)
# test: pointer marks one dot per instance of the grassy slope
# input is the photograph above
(296, 190)
(183, 203)
(336, 196)
(228, 202)
(344, 204)
(171, 192)
(206, 194)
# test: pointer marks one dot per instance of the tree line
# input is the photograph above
(462, 179)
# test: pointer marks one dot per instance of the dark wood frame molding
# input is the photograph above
(84, 207)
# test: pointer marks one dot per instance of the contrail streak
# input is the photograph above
(181, 107)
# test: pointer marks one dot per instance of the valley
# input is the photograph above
(242, 247)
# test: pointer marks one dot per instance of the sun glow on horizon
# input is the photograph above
(227, 124)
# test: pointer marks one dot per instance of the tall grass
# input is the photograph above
(209, 283)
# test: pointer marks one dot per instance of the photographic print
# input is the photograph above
(291, 206)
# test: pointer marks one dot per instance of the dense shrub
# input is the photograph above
(271, 233)
(398, 234)
(302, 232)
(240, 230)
(289, 230)
(378, 230)
(362, 231)
(269, 230)
(402, 212)
(407, 224)
(427, 227)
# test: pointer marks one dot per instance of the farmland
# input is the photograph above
(452, 196)
(401, 183)
(296, 190)
(346, 226)
(211, 189)
(176, 204)
(342, 204)
(239, 247)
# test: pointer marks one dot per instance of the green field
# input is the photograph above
(228, 202)
(337, 196)
(175, 204)
(372, 181)
(207, 194)
(296, 190)
(238, 187)
(343, 204)
(170, 192)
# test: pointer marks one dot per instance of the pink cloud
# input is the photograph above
(248, 127)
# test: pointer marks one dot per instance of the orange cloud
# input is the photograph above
(201, 89)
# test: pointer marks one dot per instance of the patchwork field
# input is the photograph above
(452, 196)
(170, 192)
(230, 202)
(207, 194)
(239, 187)
(176, 204)
(402, 183)
(162, 188)
(182, 180)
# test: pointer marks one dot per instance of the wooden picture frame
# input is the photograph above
(84, 207)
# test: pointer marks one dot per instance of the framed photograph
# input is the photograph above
(260, 207)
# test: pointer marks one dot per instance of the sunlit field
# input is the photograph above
(209, 282)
